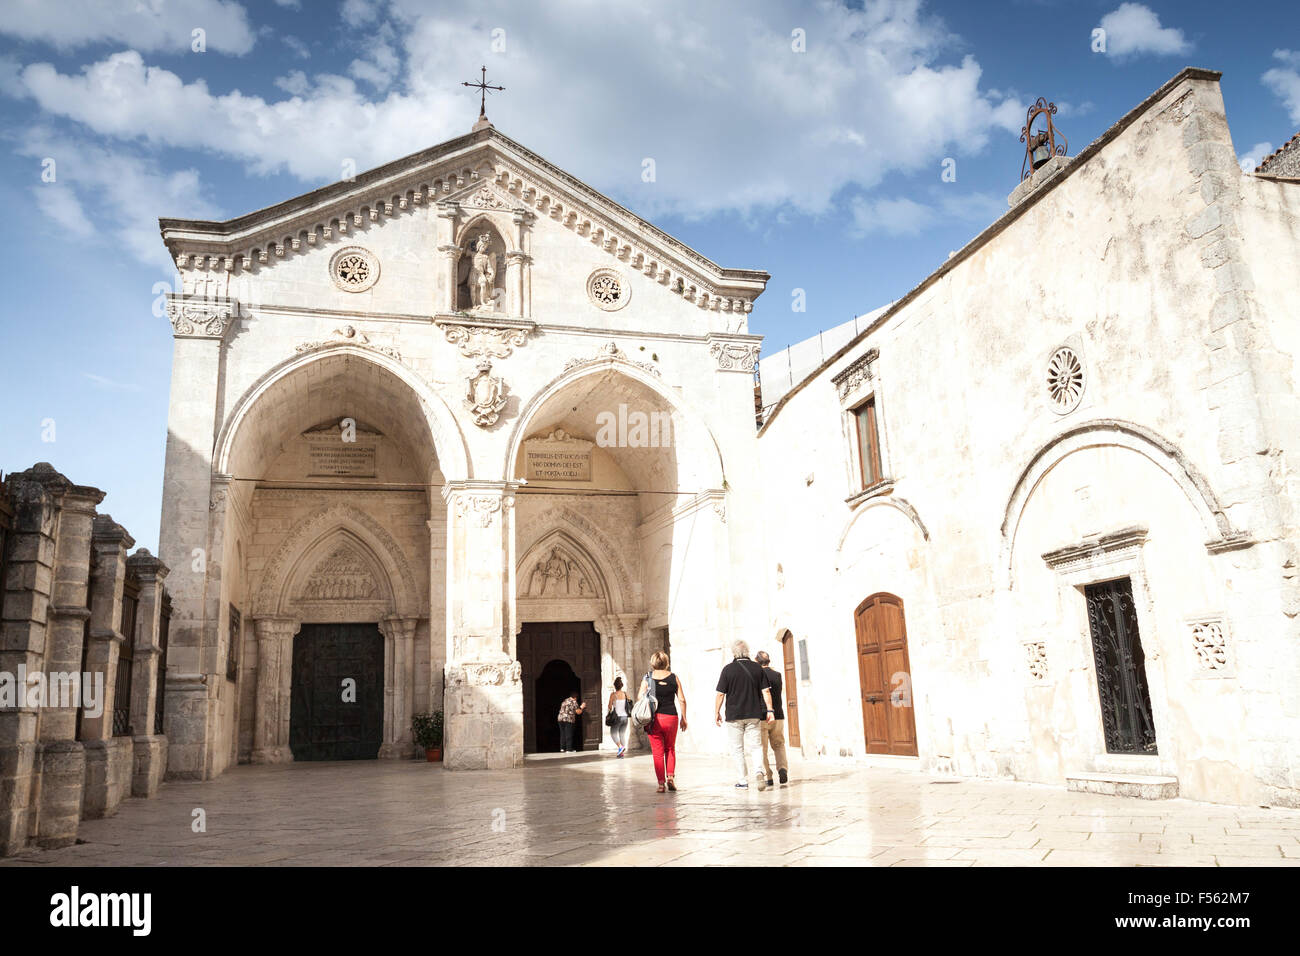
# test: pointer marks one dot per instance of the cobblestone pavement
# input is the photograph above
(604, 811)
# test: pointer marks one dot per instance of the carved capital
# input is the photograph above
(732, 356)
(200, 318)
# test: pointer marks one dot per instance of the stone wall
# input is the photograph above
(1139, 257)
(66, 569)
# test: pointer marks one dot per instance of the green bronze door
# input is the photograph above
(336, 708)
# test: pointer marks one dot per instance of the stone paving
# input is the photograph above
(604, 811)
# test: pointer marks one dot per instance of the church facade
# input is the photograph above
(1039, 518)
(462, 434)
(458, 435)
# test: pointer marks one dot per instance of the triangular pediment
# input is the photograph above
(484, 170)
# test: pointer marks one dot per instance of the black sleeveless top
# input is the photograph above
(666, 693)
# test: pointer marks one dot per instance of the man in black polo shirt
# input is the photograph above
(773, 732)
(747, 691)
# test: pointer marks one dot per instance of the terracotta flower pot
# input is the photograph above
(433, 754)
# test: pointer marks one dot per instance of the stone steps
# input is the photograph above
(1143, 786)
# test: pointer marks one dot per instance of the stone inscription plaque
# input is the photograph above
(342, 460)
(557, 457)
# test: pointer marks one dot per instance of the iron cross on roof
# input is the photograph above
(482, 86)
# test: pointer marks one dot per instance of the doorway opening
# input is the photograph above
(885, 675)
(336, 709)
(1126, 717)
(556, 658)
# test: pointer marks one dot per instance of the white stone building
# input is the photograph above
(462, 432)
(1039, 517)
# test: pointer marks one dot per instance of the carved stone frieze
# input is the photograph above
(610, 352)
(349, 335)
(557, 574)
(855, 373)
(200, 317)
(478, 509)
(494, 340)
(343, 576)
(734, 356)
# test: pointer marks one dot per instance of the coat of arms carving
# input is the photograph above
(487, 395)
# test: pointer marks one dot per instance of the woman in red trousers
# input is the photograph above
(670, 715)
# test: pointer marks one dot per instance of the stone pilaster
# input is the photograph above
(272, 700)
(150, 749)
(108, 758)
(189, 512)
(449, 253)
(483, 698)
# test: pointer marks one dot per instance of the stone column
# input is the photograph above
(445, 293)
(483, 698)
(517, 263)
(150, 749)
(42, 766)
(189, 512)
(108, 758)
(274, 677)
(60, 766)
(399, 686)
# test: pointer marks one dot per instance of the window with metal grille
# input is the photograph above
(164, 629)
(864, 417)
(125, 660)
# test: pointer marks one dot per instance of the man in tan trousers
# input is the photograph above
(773, 732)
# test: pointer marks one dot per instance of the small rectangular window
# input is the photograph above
(803, 660)
(868, 442)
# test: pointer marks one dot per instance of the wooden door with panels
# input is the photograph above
(885, 676)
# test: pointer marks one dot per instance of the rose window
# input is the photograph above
(354, 269)
(606, 290)
(1064, 380)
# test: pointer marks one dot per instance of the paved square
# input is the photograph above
(603, 811)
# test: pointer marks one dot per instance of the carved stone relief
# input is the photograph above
(343, 576)
(486, 397)
(557, 575)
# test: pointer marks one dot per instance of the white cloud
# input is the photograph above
(124, 191)
(152, 26)
(289, 4)
(111, 385)
(1133, 29)
(358, 13)
(1253, 156)
(903, 216)
(59, 202)
(1285, 82)
(733, 117)
(297, 46)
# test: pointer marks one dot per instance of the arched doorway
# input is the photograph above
(551, 686)
(885, 676)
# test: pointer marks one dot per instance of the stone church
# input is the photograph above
(462, 435)
(1038, 518)
(457, 435)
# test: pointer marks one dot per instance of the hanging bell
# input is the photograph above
(1041, 154)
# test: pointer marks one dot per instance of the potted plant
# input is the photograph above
(427, 729)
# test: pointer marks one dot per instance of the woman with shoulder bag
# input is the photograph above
(670, 715)
(616, 717)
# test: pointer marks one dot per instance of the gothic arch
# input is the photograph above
(312, 540)
(587, 564)
(448, 440)
(706, 456)
(1113, 433)
(583, 534)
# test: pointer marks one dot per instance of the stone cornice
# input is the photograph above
(433, 175)
(1102, 548)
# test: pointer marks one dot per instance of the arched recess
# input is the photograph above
(1116, 434)
(314, 539)
(900, 505)
(565, 525)
(442, 431)
(499, 233)
(699, 459)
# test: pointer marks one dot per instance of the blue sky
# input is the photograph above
(821, 165)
